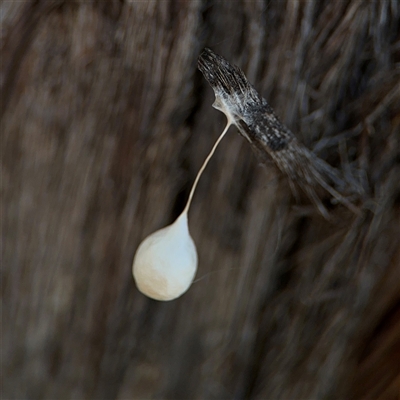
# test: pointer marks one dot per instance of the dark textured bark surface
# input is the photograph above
(105, 122)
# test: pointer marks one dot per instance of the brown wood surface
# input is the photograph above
(105, 122)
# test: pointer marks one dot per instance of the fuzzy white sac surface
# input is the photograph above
(165, 263)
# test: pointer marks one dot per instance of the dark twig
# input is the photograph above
(257, 122)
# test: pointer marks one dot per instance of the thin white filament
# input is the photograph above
(196, 181)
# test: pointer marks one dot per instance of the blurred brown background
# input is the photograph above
(105, 122)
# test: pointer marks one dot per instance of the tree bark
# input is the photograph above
(105, 121)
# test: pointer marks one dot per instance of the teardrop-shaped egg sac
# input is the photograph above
(165, 263)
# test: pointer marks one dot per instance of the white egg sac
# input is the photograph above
(165, 263)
